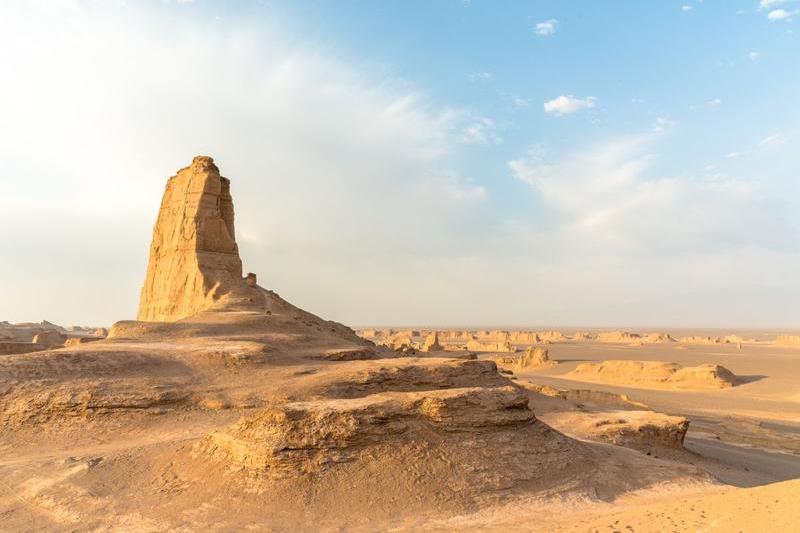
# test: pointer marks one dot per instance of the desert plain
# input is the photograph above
(223, 407)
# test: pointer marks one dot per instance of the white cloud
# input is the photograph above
(753, 55)
(565, 105)
(481, 76)
(662, 124)
(768, 140)
(686, 8)
(779, 14)
(547, 27)
(716, 102)
(606, 196)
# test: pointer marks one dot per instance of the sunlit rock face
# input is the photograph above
(194, 260)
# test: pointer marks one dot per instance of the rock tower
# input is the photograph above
(194, 260)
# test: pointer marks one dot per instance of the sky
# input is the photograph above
(448, 162)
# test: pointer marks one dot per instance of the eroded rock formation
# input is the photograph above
(656, 374)
(194, 260)
(431, 343)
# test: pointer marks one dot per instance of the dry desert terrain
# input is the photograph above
(223, 407)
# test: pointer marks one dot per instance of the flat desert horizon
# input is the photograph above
(280, 188)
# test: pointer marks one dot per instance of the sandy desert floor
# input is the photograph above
(126, 472)
(755, 424)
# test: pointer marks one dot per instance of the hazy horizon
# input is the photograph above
(576, 164)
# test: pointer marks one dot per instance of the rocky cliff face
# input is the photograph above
(194, 260)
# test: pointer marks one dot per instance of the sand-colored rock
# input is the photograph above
(455, 335)
(618, 337)
(50, 338)
(77, 341)
(655, 374)
(493, 336)
(788, 341)
(582, 336)
(475, 345)
(524, 337)
(551, 336)
(306, 437)
(700, 339)
(645, 431)
(531, 358)
(431, 343)
(657, 338)
(194, 260)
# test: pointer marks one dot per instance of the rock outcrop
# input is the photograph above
(655, 374)
(532, 357)
(194, 260)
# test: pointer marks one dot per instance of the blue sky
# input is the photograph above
(448, 162)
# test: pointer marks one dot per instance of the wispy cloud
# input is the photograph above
(545, 28)
(768, 140)
(767, 4)
(716, 102)
(780, 14)
(520, 102)
(607, 194)
(568, 104)
(753, 55)
(481, 131)
(662, 124)
(686, 7)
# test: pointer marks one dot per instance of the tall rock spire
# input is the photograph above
(194, 260)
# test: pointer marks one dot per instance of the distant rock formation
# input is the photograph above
(618, 336)
(656, 374)
(475, 345)
(431, 344)
(698, 339)
(657, 338)
(532, 357)
(50, 338)
(194, 260)
(551, 336)
(788, 341)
